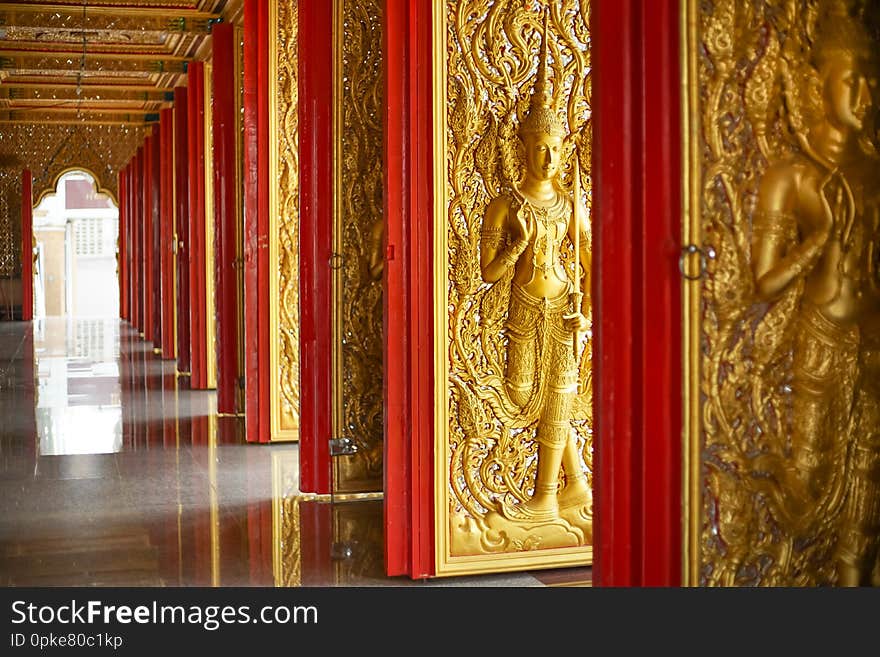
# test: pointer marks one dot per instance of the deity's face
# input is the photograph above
(847, 93)
(542, 155)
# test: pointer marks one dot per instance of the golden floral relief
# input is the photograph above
(518, 333)
(791, 209)
(288, 215)
(359, 225)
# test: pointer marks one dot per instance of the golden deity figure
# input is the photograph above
(523, 235)
(815, 236)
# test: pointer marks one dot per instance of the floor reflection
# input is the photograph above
(113, 472)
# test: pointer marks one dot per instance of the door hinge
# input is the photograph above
(342, 447)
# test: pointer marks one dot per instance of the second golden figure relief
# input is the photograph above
(790, 328)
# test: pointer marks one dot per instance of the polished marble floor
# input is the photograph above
(114, 473)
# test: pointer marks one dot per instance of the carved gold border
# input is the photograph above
(210, 326)
(690, 231)
(276, 432)
(445, 563)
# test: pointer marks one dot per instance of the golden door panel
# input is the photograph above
(512, 280)
(784, 325)
(210, 251)
(283, 221)
(358, 232)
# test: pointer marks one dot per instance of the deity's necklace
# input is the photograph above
(546, 217)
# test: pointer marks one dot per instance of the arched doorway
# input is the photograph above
(75, 236)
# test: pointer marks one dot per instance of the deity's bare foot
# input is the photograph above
(576, 494)
(533, 510)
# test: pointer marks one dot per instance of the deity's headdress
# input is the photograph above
(840, 31)
(542, 116)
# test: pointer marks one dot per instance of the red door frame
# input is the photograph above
(637, 293)
(138, 205)
(182, 220)
(256, 222)
(225, 216)
(197, 280)
(27, 246)
(146, 184)
(315, 113)
(166, 240)
(155, 237)
(408, 285)
(121, 247)
(637, 350)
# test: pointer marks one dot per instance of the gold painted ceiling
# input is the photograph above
(82, 83)
(106, 60)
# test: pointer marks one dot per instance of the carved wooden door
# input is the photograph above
(781, 376)
(358, 254)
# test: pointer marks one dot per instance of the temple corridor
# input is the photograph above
(114, 473)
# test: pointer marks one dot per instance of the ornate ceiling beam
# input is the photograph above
(152, 18)
(68, 115)
(68, 53)
(93, 63)
(89, 94)
(70, 83)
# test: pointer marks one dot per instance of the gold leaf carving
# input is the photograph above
(288, 214)
(360, 207)
(492, 49)
(787, 457)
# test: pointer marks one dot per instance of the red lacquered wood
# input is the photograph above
(147, 235)
(661, 327)
(132, 243)
(614, 69)
(256, 221)
(225, 216)
(129, 243)
(138, 198)
(637, 351)
(181, 197)
(155, 199)
(27, 246)
(315, 87)
(409, 302)
(121, 252)
(167, 234)
(132, 235)
(198, 307)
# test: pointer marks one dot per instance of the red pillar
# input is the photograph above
(256, 221)
(409, 304)
(147, 237)
(138, 236)
(156, 291)
(637, 294)
(225, 216)
(27, 246)
(181, 196)
(196, 137)
(166, 238)
(315, 88)
(122, 247)
(129, 231)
